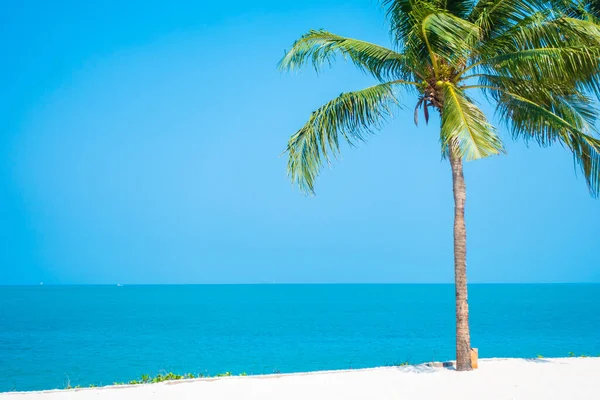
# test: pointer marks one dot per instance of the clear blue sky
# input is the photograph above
(140, 143)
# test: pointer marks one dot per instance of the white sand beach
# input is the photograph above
(558, 378)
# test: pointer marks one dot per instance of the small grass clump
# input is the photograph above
(161, 377)
(572, 354)
(72, 387)
(397, 364)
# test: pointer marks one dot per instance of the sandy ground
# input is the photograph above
(558, 378)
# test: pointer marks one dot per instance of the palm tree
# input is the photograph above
(536, 61)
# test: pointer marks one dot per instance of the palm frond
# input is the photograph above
(582, 9)
(321, 47)
(559, 49)
(541, 30)
(426, 30)
(568, 63)
(547, 119)
(496, 16)
(351, 116)
(460, 8)
(401, 19)
(450, 37)
(465, 126)
(586, 154)
(400, 12)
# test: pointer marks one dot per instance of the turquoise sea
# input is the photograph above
(51, 335)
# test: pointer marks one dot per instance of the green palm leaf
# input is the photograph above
(568, 120)
(465, 127)
(496, 16)
(321, 47)
(351, 116)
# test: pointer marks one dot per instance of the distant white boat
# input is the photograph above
(118, 284)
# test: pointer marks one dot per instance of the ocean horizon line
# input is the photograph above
(297, 284)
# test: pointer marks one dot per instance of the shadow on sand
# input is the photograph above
(537, 360)
(426, 368)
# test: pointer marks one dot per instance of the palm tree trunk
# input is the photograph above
(463, 337)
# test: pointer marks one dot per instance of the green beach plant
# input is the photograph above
(397, 364)
(535, 61)
(161, 377)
